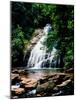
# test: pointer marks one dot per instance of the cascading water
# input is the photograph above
(39, 57)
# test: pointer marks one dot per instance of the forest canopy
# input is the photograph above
(26, 17)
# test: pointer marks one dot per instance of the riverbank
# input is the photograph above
(40, 83)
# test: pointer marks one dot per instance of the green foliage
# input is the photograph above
(63, 32)
(69, 58)
(17, 45)
(50, 40)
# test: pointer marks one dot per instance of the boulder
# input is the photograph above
(13, 76)
(70, 70)
(29, 83)
(18, 91)
(25, 80)
(43, 80)
(42, 87)
(13, 87)
(65, 83)
(15, 71)
(66, 77)
(45, 87)
(53, 77)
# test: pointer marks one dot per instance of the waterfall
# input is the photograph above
(39, 58)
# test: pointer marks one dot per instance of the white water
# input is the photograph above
(38, 54)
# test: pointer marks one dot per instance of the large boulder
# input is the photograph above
(29, 83)
(45, 87)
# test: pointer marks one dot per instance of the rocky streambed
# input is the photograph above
(41, 82)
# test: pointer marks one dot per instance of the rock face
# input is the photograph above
(37, 83)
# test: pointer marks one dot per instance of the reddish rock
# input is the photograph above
(25, 80)
(18, 91)
(29, 83)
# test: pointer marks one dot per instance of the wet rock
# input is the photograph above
(57, 79)
(43, 94)
(18, 91)
(34, 83)
(58, 93)
(14, 97)
(29, 83)
(23, 73)
(66, 77)
(57, 75)
(65, 83)
(55, 89)
(38, 95)
(45, 87)
(15, 71)
(53, 77)
(31, 92)
(13, 76)
(71, 70)
(13, 87)
(15, 79)
(43, 80)
(51, 85)
(25, 80)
